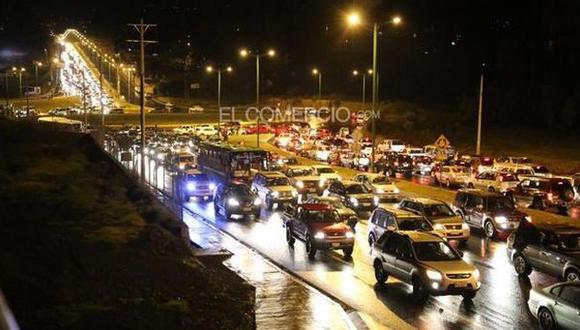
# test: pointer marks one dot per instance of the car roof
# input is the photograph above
(321, 166)
(398, 212)
(425, 201)
(326, 198)
(417, 236)
(350, 183)
(294, 167)
(479, 192)
(558, 228)
(316, 207)
(273, 174)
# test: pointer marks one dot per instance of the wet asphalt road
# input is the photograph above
(500, 303)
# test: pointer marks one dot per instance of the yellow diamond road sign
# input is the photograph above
(442, 142)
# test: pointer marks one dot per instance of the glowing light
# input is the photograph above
(244, 53)
(353, 19)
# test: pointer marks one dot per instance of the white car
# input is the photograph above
(414, 152)
(195, 108)
(206, 130)
(326, 172)
(493, 181)
(453, 175)
(378, 182)
(184, 129)
(392, 145)
(556, 306)
(522, 171)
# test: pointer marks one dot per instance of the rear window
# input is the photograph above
(541, 169)
(508, 177)
(561, 185)
(486, 161)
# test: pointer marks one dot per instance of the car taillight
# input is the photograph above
(550, 196)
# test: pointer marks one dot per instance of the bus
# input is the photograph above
(63, 123)
(226, 162)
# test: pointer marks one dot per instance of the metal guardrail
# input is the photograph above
(7, 320)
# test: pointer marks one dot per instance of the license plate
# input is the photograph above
(247, 209)
(453, 234)
(335, 244)
(312, 190)
(366, 204)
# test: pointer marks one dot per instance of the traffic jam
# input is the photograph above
(311, 190)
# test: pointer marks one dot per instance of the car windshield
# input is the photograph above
(570, 242)
(357, 189)
(278, 182)
(325, 170)
(434, 251)
(414, 224)
(381, 180)
(508, 177)
(438, 210)
(541, 169)
(329, 216)
(300, 172)
(241, 190)
(500, 203)
(460, 169)
(186, 158)
(197, 177)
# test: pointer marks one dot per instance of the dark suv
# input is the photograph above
(493, 212)
(396, 163)
(236, 198)
(544, 193)
(355, 195)
(553, 249)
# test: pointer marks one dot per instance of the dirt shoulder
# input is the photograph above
(82, 247)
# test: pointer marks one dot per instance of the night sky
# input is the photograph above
(530, 48)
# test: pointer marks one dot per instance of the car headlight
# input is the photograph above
(476, 274)
(349, 234)
(464, 226)
(319, 235)
(354, 201)
(500, 219)
(380, 191)
(294, 193)
(160, 156)
(434, 275)
(439, 227)
(300, 184)
(212, 186)
(321, 183)
(275, 194)
(190, 186)
(257, 201)
(181, 166)
(233, 202)
(376, 200)
(528, 218)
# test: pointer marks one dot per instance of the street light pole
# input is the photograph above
(258, 100)
(374, 95)
(479, 116)
(319, 85)
(219, 71)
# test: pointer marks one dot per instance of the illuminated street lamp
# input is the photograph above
(364, 82)
(15, 70)
(353, 19)
(246, 53)
(211, 69)
(37, 64)
(318, 73)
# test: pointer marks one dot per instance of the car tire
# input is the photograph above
(538, 204)
(380, 275)
(289, 238)
(347, 252)
(310, 248)
(419, 290)
(521, 265)
(372, 239)
(489, 229)
(572, 275)
(491, 189)
(469, 295)
(546, 319)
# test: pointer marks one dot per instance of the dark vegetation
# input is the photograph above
(82, 246)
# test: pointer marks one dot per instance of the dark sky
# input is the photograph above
(436, 55)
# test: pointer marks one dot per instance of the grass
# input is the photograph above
(81, 244)
(44, 105)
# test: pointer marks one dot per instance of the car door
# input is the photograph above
(567, 307)
(474, 209)
(298, 223)
(404, 262)
(388, 255)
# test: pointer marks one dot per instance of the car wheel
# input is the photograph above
(489, 229)
(469, 295)
(380, 275)
(289, 238)
(470, 185)
(521, 265)
(372, 239)
(538, 204)
(419, 290)
(310, 248)
(572, 275)
(546, 319)
(347, 252)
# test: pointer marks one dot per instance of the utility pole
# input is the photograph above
(101, 96)
(258, 100)
(142, 29)
(479, 116)
(374, 94)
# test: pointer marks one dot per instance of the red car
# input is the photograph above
(253, 129)
(320, 227)
(279, 129)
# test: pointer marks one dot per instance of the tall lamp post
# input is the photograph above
(354, 19)
(15, 70)
(37, 64)
(364, 83)
(211, 69)
(318, 73)
(257, 55)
